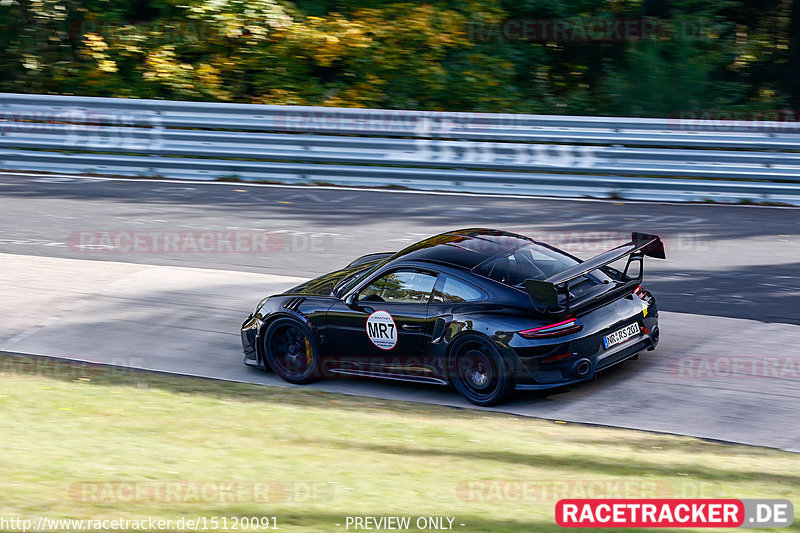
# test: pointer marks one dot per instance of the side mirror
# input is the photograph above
(351, 300)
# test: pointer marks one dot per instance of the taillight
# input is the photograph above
(553, 330)
(639, 291)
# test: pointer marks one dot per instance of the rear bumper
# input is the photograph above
(588, 357)
(625, 352)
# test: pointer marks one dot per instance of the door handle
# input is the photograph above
(411, 327)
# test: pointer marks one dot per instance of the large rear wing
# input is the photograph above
(546, 292)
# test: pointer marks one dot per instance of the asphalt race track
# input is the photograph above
(727, 368)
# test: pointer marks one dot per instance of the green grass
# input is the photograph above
(64, 424)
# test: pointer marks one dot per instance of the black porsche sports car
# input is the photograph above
(484, 310)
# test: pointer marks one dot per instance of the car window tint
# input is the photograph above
(456, 291)
(527, 262)
(400, 287)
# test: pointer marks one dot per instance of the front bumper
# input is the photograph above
(250, 329)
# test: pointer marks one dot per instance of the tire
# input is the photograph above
(291, 350)
(479, 372)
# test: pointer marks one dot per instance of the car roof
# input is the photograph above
(465, 248)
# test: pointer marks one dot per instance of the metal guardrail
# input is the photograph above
(660, 159)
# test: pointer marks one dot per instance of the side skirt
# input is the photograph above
(393, 377)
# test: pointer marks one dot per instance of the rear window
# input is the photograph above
(530, 261)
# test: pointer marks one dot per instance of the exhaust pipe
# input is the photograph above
(654, 339)
(583, 367)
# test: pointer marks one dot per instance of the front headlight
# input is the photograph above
(260, 304)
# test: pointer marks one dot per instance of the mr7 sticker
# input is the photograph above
(382, 330)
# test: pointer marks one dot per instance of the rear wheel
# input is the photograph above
(291, 351)
(479, 372)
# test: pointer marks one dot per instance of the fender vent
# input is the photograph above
(293, 303)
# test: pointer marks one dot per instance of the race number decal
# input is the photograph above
(382, 330)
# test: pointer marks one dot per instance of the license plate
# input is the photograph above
(621, 335)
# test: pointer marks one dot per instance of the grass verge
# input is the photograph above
(98, 443)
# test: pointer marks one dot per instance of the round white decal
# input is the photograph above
(382, 330)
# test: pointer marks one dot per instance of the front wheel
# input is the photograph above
(479, 372)
(291, 351)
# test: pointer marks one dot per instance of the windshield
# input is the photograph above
(350, 281)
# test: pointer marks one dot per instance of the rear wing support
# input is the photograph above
(545, 293)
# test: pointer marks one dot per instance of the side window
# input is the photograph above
(404, 286)
(457, 291)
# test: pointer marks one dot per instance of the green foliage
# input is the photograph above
(441, 55)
